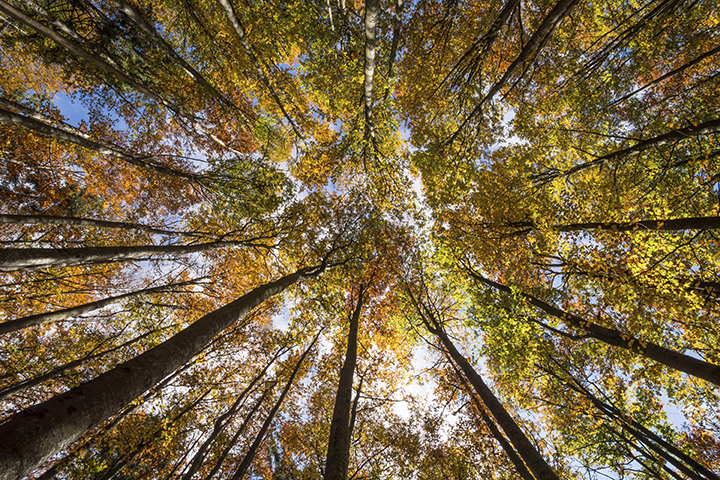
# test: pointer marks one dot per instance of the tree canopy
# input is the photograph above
(350, 240)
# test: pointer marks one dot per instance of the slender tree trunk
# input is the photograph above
(56, 372)
(236, 436)
(220, 422)
(532, 458)
(13, 259)
(89, 222)
(32, 436)
(371, 20)
(536, 42)
(85, 141)
(674, 224)
(670, 358)
(250, 455)
(669, 74)
(240, 31)
(506, 446)
(338, 453)
(104, 64)
(146, 27)
(711, 126)
(58, 315)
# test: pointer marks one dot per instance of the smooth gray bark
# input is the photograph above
(85, 141)
(221, 421)
(338, 453)
(490, 423)
(32, 436)
(536, 42)
(56, 372)
(90, 222)
(371, 20)
(705, 128)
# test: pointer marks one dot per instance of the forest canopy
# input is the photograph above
(345, 240)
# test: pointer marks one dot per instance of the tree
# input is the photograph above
(515, 204)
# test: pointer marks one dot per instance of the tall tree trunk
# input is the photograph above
(106, 65)
(532, 458)
(710, 126)
(673, 224)
(250, 455)
(58, 315)
(338, 453)
(32, 436)
(240, 31)
(536, 42)
(221, 421)
(150, 31)
(100, 147)
(371, 20)
(13, 259)
(61, 463)
(494, 430)
(56, 372)
(238, 432)
(670, 358)
(669, 452)
(90, 222)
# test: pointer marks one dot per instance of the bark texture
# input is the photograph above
(338, 453)
(32, 436)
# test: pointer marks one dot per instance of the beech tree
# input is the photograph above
(345, 240)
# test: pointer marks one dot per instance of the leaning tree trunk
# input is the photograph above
(90, 222)
(536, 42)
(58, 315)
(56, 372)
(338, 453)
(532, 458)
(33, 435)
(670, 358)
(13, 259)
(250, 455)
(494, 430)
(223, 419)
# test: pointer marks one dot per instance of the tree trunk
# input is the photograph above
(674, 224)
(13, 259)
(371, 20)
(58, 315)
(711, 126)
(85, 142)
(670, 358)
(669, 452)
(536, 42)
(89, 222)
(250, 455)
(32, 436)
(237, 434)
(220, 422)
(506, 446)
(240, 31)
(532, 458)
(56, 372)
(338, 453)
